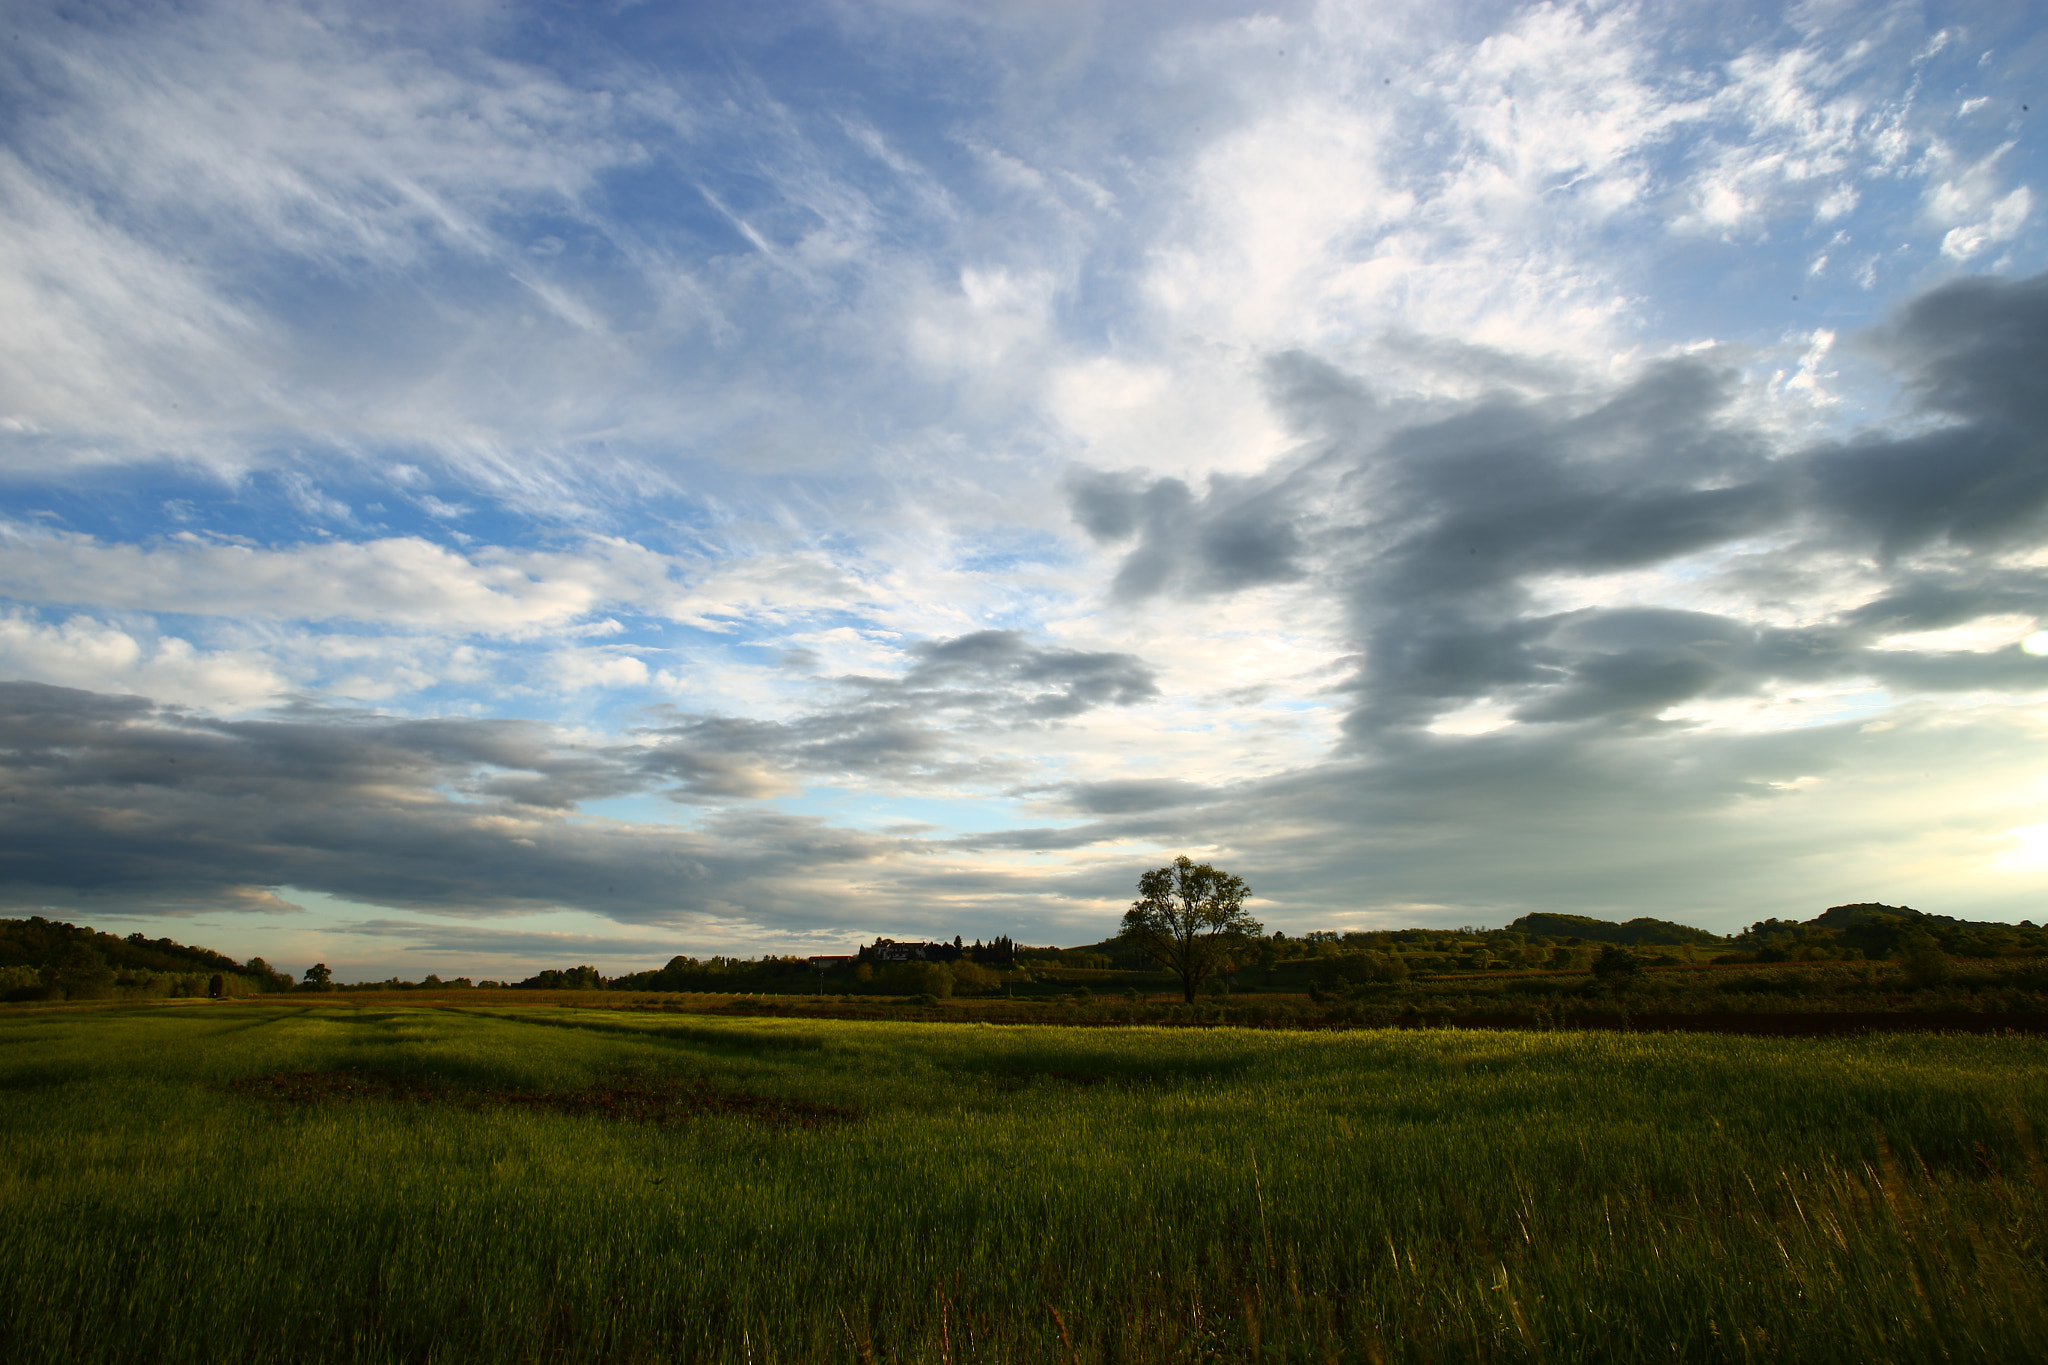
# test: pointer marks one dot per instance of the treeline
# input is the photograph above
(1555, 942)
(783, 975)
(1639, 932)
(1002, 951)
(1544, 953)
(1879, 932)
(42, 959)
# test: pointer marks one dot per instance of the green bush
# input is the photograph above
(1921, 960)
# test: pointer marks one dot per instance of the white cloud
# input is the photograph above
(1796, 138)
(576, 670)
(107, 335)
(1453, 202)
(280, 132)
(992, 323)
(766, 591)
(399, 580)
(1809, 381)
(382, 667)
(91, 654)
(1202, 413)
(1981, 636)
(2008, 215)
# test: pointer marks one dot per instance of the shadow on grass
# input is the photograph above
(727, 1039)
(624, 1099)
(48, 1076)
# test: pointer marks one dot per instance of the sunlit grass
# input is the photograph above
(1016, 1194)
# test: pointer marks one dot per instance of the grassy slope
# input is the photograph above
(1017, 1194)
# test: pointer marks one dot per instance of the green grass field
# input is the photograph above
(293, 1182)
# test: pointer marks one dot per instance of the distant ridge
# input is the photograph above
(1846, 916)
(1843, 916)
(1635, 932)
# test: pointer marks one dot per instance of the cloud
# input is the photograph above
(578, 669)
(111, 800)
(468, 942)
(766, 589)
(928, 726)
(1964, 346)
(1134, 795)
(1371, 444)
(1454, 543)
(398, 580)
(476, 815)
(288, 136)
(1445, 539)
(1690, 823)
(1019, 678)
(2008, 215)
(1980, 479)
(1446, 544)
(85, 652)
(1236, 536)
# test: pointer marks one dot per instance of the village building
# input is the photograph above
(890, 950)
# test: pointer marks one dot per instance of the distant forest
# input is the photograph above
(1543, 955)
(44, 959)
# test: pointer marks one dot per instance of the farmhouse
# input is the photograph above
(889, 950)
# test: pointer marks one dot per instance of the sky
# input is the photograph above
(495, 486)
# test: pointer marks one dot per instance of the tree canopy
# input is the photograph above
(1190, 918)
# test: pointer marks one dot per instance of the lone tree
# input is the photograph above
(1190, 919)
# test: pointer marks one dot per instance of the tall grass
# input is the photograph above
(1015, 1194)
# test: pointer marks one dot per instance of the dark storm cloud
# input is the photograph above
(1137, 794)
(111, 799)
(1436, 537)
(1110, 506)
(46, 730)
(1981, 483)
(1240, 534)
(1704, 827)
(114, 797)
(133, 806)
(1631, 683)
(1442, 539)
(1000, 673)
(1971, 351)
(1463, 513)
(1318, 399)
(2009, 670)
(909, 729)
(1934, 601)
(1973, 347)
(484, 940)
